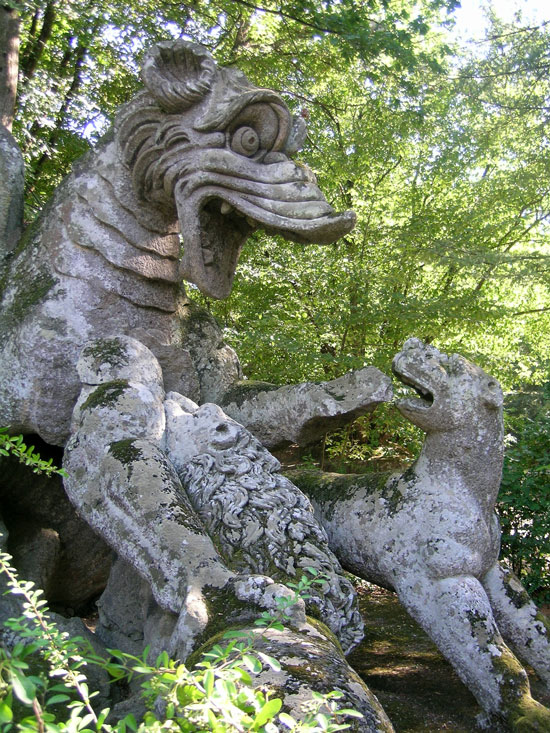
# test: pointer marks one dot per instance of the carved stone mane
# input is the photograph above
(263, 523)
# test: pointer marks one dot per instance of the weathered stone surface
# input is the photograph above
(129, 444)
(124, 486)
(35, 551)
(262, 523)
(431, 534)
(310, 660)
(217, 365)
(303, 413)
(200, 151)
(171, 588)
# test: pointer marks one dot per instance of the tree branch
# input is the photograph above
(32, 52)
(9, 63)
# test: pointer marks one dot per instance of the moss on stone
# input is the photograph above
(323, 629)
(534, 718)
(194, 317)
(30, 289)
(327, 489)
(518, 596)
(545, 621)
(126, 451)
(336, 396)
(105, 394)
(518, 708)
(225, 611)
(111, 351)
(391, 492)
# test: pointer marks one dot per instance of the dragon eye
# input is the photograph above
(245, 141)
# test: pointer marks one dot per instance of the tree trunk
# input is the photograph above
(9, 63)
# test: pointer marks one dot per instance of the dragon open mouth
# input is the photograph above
(229, 197)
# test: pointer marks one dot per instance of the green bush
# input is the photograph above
(524, 500)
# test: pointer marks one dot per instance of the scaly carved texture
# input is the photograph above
(104, 259)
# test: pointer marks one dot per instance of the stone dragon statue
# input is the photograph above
(200, 157)
(432, 535)
(103, 355)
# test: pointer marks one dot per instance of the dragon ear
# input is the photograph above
(178, 74)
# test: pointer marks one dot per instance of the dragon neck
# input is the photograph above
(113, 239)
(466, 459)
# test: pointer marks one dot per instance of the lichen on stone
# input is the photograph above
(246, 390)
(105, 394)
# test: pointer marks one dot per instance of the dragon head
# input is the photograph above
(206, 141)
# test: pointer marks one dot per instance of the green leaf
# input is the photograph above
(23, 687)
(6, 713)
(287, 720)
(253, 663)
(267, 712)
(208, 682)
(131, 722)
(57, 699)
(271, 661)
(244, 676)
(350, 711)
(323, 720)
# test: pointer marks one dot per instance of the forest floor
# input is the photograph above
(417, 687)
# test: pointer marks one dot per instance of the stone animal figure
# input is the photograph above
(200, 151)
(200, 155)
(432, 535)
(129, 441)
(196, 505)
(263, 524)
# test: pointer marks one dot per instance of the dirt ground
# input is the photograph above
(416, 685)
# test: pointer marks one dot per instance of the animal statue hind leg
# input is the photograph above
(525, 629)
(456, 613)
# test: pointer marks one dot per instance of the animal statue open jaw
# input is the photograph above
(200, 156)
(222, 156)
(410, 405)
(103, 355)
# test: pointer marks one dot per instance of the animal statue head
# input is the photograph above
(453, 393)
(207, 142)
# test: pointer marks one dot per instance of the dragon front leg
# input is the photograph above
(124, 486)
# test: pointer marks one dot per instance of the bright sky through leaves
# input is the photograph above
(471, 15)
